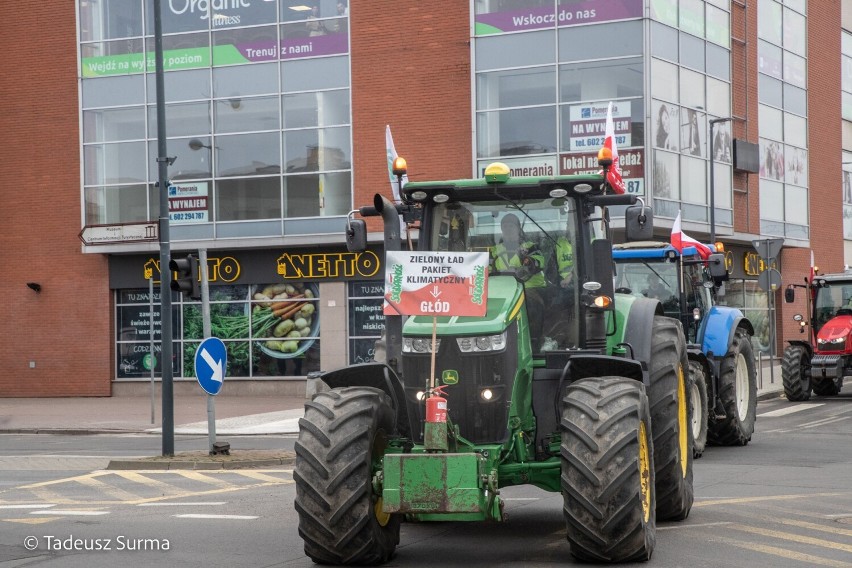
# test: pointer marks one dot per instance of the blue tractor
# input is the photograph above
(721, 358)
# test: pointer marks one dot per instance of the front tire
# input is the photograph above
(738, 393)
(607, 471)
(700, 409)
(796, 373)
(670, 420)
(341, 438)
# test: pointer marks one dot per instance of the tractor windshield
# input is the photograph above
(652, 279)
(830, 298)
(533, 240)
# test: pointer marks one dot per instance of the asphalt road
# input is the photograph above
(783, 500)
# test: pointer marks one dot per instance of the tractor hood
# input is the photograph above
(834, 335)
(503, 304)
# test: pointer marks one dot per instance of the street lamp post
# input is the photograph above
(711, 145)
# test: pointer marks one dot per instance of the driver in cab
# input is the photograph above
(514, 253)
(657, 289)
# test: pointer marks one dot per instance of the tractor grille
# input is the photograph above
(479, 421)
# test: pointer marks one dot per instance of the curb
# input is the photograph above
(183, 463)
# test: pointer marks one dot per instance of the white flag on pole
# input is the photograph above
(391, 151)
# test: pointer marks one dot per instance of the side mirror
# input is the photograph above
(638, 223)
(716, 266)
(356, 235)
(789, 295)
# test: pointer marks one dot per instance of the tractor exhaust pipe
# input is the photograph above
(393, 323)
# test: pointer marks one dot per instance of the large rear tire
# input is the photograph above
(607, 471)
(738, 393)
(341, 438)
(796, 373)
(671, 423)
(699, 404)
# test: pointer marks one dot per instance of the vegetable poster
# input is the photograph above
(436, 283)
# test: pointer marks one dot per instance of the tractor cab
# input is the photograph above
(657, 270)
(832, 318)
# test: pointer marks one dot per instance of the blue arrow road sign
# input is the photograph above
(211, 359)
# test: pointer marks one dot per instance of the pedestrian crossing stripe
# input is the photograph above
(33, 521)
(161, 481)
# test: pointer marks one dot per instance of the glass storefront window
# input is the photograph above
(314, 74)
(243, 80)
(693, 132)
(311, 150)
(516, 87)
(194, 158)
(664, 80)
(718, 26)
(317, 194)
(248, 199)
(718, 97)
(105, 164)
(112, 125)
(515, 50)
(769, 21)
(182, 86)
(324, 108)
(247, 114)
(584, 42)
(718, 62)
(247, 154)
(693, 176)
(665, 11)
(280, 80)
(771, 200)
(664, 41)
(691, 89)
(692, 17)
(243, 45)
(109, 20)
(582, 81)
(116, 204)
(366, 320)
(795, 33)
(692, 52)
(516, 132)
(666, 175)
(269, 330)
(186, 119)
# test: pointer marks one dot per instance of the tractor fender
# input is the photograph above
(803, 344)
(375, 375)
(718, 328)
(640, 320)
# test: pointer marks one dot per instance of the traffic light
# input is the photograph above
(187, 276)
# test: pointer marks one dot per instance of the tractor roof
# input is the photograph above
(498, 179)
(649, 249)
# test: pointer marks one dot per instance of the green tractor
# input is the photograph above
(563, 385)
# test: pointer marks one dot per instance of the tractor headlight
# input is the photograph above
(481, 343)
(419, 344)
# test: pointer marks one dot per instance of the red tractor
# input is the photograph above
(820, 364)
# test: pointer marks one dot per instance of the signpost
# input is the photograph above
(436, 284)
(770, 280)
(124, 233)
(210, 362)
